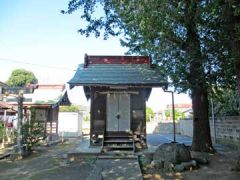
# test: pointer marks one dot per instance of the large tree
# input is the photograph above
(181, 36)
(21, 78)
(226, 28)
(230, 16)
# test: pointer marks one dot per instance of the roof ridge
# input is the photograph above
(109, 59)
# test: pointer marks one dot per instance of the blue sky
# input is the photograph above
(34, 31)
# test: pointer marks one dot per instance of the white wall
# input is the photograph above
(70, 124)
(186, 127)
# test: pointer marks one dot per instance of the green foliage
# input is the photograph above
(178, 114)
(71, 108)
(32, 132)
(183, 36)
(225, 25)
(46, 102)
(149, 114)
(1, 131)
(21, 78)
(168, 113)
(5, 135)
(86, 117)
(226, 103)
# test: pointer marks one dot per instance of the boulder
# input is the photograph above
(185, 165)
(179, 168)
(168, 166)
(172, 152)
(200, 157)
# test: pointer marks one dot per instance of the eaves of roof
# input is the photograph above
(141, 75)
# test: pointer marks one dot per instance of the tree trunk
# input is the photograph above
(201, 131)
(197, 81)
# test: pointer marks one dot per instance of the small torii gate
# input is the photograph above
(18, 92)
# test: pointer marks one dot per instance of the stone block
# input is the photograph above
(172, 152)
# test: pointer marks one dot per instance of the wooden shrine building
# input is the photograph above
(118, 87)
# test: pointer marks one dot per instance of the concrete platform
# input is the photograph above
(153, 140)
(83, 150)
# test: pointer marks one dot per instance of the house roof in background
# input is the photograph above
(51, 86)
(183, 106)
(45, 94)
(3, 84)
(4, 105)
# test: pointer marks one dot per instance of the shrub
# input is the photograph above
(149, 114)
(1, 131)
(32, 133)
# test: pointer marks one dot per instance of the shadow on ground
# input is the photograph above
(47, 163)
(51, 163)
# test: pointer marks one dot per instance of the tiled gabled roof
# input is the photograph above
(110, 74)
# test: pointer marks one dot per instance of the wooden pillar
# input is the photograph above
(91, 115)
(4, 126)
(19, 124)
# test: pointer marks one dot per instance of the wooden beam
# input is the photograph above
(119, 92)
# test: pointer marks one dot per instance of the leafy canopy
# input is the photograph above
(21, 78)
(178, 34)
(226, 103)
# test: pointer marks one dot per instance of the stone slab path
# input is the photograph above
(116, 169)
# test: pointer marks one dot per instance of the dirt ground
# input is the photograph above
(51, 163)
(219, 168)
(47, 163)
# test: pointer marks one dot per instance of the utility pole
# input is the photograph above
(4, 131)
(173, 114)
(19, 123)
(213, 121)
(174, 122)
